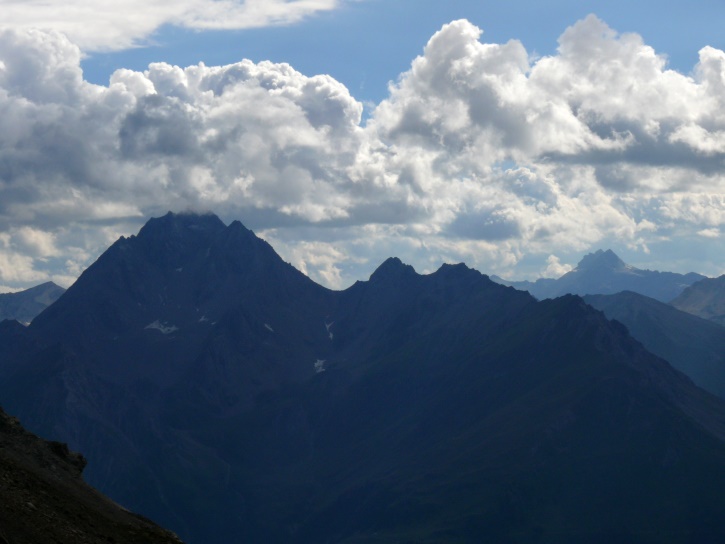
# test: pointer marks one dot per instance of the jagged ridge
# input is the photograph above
(264, 408)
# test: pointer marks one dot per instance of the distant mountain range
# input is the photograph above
(687, 332)
(705, 299)
(25, 305)
(691, 344)
(604, 273)
(221, 392)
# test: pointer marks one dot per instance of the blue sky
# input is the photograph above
(388, 130)
(366, 44)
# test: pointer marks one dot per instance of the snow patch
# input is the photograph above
(164, 328)
(320, 365)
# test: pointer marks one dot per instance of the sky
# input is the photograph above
(513, 136)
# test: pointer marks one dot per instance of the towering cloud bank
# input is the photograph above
(480, 153)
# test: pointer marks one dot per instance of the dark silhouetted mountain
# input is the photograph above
(188, 320)
(23, 306)
(604, 273)
(14, 340)
(221, 392)
(159, 298)
(691, 344)
(44, 499)
(705, 299)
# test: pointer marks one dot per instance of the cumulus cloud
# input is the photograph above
(709, 233)
(18, 268)
(247, 135)
(555, 268)
(480, 153)
(114, 25)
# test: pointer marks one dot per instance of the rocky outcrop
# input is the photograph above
(44, 499)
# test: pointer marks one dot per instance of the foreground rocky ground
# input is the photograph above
(44, 499)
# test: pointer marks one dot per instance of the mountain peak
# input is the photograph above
(454, 269)
(601, 259)
(26, 305)
(175, 224)
(237, 231)
(170, 240)
(392, 268)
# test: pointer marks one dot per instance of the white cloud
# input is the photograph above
(35, 242)
(709, 233)
(554, 268)
(480, 153)
(18, 268)
(319, 260)
(113, 24)
(8, 289)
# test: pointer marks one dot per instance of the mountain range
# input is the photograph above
(705, 299)
(693, 345)
(604, 273)
(221, 392)
(25, 305)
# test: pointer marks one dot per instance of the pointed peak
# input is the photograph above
(390, 269)
(601, 259)
(47, 286)
(236, 227)
(237, 224)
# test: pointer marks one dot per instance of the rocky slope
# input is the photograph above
(691, 344)
(705, 299)
(44, 499)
